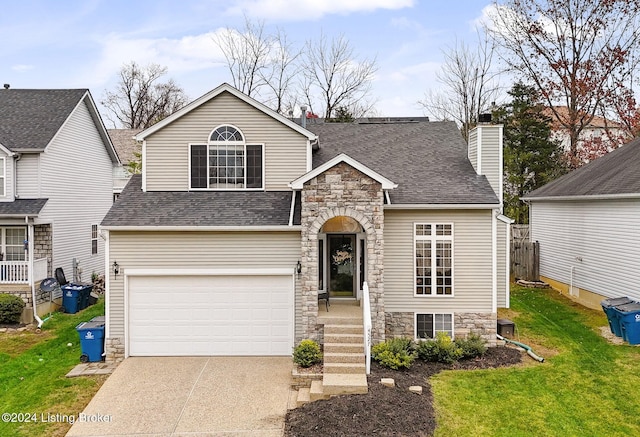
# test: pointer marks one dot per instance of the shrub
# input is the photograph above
(442, 349)
(307, 353)
(10, 308)
(395, 353)
(472, 346)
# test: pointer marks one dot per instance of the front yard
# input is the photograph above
(35, 395)
(586, 386)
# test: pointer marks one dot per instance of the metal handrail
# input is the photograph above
(366, 319)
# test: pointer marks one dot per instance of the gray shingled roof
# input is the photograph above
(30, 118)
(124, 143)
(616, 173)
(428, 160)
(200, 208)
(22, 207)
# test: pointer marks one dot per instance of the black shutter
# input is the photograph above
(199, 166)
(254, 166)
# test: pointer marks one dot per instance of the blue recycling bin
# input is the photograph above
(629, 316)
(70, 299)
(91, 340)
(85, 291)
(608, 306)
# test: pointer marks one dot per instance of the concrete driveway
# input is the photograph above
(190, 396)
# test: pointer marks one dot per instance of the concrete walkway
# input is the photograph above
(190, 396)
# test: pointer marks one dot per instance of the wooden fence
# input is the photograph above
(519, 232)
(525, 260)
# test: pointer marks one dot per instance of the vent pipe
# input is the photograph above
(6, 86)
(303, 116)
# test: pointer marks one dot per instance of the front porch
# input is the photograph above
(17, 272)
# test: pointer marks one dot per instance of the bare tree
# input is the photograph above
(572, 50)
(470, 85)
(139, 99)
(333, 76)
(247, 53)
(280, 71)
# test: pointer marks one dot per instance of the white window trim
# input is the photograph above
(4, 177)
(433, 239)
(415, 325)
(3, 240)
(94, 239)
(208, 169)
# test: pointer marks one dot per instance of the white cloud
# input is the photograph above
(312, 9)
(22, 67)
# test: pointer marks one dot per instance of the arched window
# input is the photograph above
(226, 162)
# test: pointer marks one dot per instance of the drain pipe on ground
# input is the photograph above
(523, 346)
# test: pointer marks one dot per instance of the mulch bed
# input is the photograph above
(384, 410)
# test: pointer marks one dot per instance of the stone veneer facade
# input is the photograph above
(483, 324)
(342, 191)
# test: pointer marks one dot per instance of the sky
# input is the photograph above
(85, 43)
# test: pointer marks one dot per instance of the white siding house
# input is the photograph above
(57, 188)
(588, 226)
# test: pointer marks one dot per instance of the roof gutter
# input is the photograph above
(443, 206)
(585, 197)
(274, 228)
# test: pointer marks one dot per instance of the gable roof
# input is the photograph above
(616, 174)
(125, 144)
(225, 87)
(31, 118)
(215, 209)
(427, 160)
(386, 183)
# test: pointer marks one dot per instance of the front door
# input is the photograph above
(342, 264)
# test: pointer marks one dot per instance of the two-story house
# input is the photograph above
(242, 217)
(56, 164)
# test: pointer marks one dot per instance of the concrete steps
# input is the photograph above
(344, 368)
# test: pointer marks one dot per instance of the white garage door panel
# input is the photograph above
(210, 315)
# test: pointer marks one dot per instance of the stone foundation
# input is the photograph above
(483, 324)
(42, 246)
(114, 350)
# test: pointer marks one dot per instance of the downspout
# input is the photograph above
(293, 206)
(30, 272)
(572, 270)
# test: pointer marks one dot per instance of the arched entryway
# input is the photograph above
(341, 258)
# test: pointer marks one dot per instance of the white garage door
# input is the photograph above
(210, 315)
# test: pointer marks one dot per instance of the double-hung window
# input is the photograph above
(433, 259)
(226, 162)
(94, 239)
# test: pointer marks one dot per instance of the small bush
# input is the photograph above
(395, 353)
(472, 346)
(10, 308)
(442, 349)
(307, 353)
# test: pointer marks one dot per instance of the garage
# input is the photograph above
(210, 314)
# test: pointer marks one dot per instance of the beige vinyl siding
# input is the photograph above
(472, 151)
(472, 262)
(598, 239)
(167, 151)
(196, 250)
(490, 156)
(76, 177)
(29, 176)
(502, 269)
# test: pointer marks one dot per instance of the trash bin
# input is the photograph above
(608, 306)
(629, 317)
(85, 291)
(91, 340)
(70, 299)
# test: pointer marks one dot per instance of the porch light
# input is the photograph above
(298, 267)
(116, 269)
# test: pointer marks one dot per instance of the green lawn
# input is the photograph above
(32, 375)
(585, 387)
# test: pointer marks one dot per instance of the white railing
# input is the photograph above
(17, 272)
(366, 319)
(40, 269)
(14, 272)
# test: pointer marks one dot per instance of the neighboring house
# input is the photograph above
(588, 226)
(126, 148)
(241, 217)
(56, 164)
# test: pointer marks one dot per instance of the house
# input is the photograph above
(56, 163)
(126, 148)
(588, 226)
(241, 217)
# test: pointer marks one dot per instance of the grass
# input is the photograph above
(586, 386)
(32, 375)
